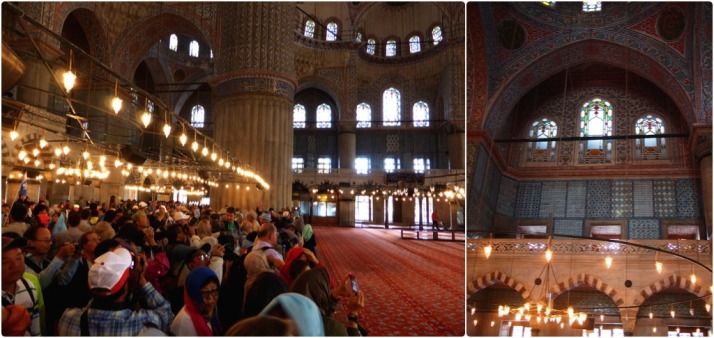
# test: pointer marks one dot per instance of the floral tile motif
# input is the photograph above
(688, 201)
(644, 229)
(480, 171)
(553, 199)
(528, 200)
(576, 199)
(573, 227)
(643, 199)
(599, 200)
(622, 199)
(507, 197)
(665, 200)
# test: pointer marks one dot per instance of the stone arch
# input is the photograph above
(670, 281)
(517, 85)
(595, 282)
(327, 86)
(86, 14)
(484, 281)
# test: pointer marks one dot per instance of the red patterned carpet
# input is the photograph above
(412, 288)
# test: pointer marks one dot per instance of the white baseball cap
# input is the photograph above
(110, 272)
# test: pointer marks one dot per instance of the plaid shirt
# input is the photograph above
(122, 322)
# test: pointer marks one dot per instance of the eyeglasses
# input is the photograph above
(202, 257)
(209, 293)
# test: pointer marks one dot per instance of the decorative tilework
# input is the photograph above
(552, 202)
(599, 199)
(528, 200)
(392, 143)
(688, 201)
(311, 144)
(573, 227)
(507, 197)
(643, 199)
(576, 199)
(665, 202)
(644, 229)
(480, 171)
(493, 183)
(622, 199)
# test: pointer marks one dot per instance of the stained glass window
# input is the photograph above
(436, 35)
(150, 106)
(299, 116)
(421, 164)
(323, 165)
(420, 112)
(193, 48)
(198, 116)
(391, 107)
(592, 6)
(331, 31)
(542, 151)
(371, 45)
(309, 29)
(173, 42)
(324, 116)
(414, 44)
(391, 48)
(362, 165)
(364, 115)
(298, 164)
(650, 148)
(391, 164)
(596, 121)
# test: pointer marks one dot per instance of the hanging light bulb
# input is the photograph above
(693, 278)
(671, 312)
(52, 165)
(68, 79)
(708, 307)
(475, 322)
(13, 135)
(204, 152)
(37, 163)
(116, 101)
(548, 255)
(35, 152)
(21, 155)
(194, 146)
(220, 161)
(658, 263)
(183, 138)
(117, 163)
(654, 329)
(608, 261)
(65, 149)
(43, 143)
(167, 130)
(58, 151)
(26, 160)
(85, 154)
(146, 118)
(651, 314)
(602, 317)
(487, 250)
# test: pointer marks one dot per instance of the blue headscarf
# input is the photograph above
(193, 300)
(301, 310)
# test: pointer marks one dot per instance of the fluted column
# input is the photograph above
(702, 149)
(253, 99)
(457, 148)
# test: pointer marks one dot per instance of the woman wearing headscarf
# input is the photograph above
(316, 285)
(298, 308)
(265, 288)
(199, 315)
(297, 253)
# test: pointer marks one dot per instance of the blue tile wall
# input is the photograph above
(552, 200)
(665, 199)
(573, 227)
(599, 199)
(507, 197)
(644, 229)
(688, 205)
(643, 199)
(528, 200)
(480, 171)
(622, 199)
(576, 199)
(494, 182)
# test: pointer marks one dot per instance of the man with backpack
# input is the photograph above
(17, 290)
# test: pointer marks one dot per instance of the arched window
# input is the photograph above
(542, 151)
(364, 115)
(358, 38)
(331, 31)
(324, 116)
(414, 44)
(173, 42)
(198, 116)
(650, 148)
(391, 107)
(391, 48)
(193, 48)
(420, 112)
(150, 106)
(309, 28)
(592, 6)
(371, 46)
(596, 121)
(362, 165)
(211, 54)
(436, 35)
(299, 116)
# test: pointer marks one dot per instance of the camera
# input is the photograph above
(354, 284)
(77, 247)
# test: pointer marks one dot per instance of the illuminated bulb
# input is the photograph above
(654, 329)
(35, 152)
(37, 163)
(493, 323)
(671, 313)
(102, 159)
(85, 155)
(651, 315)
(26, 160)
(183, 138)
(214, 156)
(548, 255)
(22, 155)
(220, 162)
(518, 317)
(68, 78)
(194, 146)
(141, 169)
(487, 250)
(658, 266)
(693, 278)
(90, 165)
(602, 317)
(608, 261)
(116, 104)
(146, 119)
(13, 135)
(539, 307)
(65, 149)
(204, 152)
(562, 325)
(149, 171)
(167, 130)
(43, 143)
(58, 151)
(691, 312)
(475, 322)
(708, 307)
(228, 165)
(571, 311)
(129, 166)
(52, 166)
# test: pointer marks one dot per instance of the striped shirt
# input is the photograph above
(22, 297)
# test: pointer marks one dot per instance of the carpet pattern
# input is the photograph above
(412, 288)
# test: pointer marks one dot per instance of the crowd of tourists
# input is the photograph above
(167, 268)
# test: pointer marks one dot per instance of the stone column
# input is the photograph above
(702, 149)
(348, 146)
(253, 98)
(629, 321)
(457, 147)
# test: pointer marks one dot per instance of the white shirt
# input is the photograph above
(183, 325)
